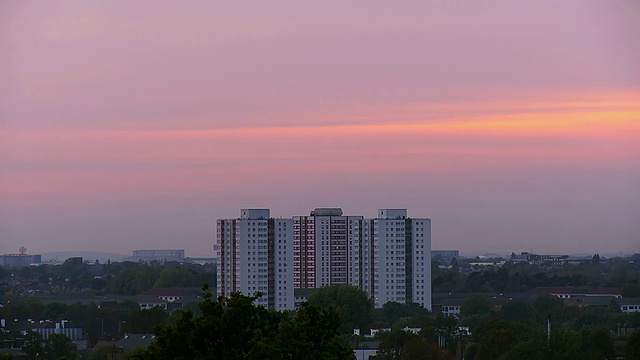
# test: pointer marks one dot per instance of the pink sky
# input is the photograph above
(515, 126)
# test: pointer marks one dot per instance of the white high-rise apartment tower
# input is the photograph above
(389, 257)
(397, 258)
(322, 254)
(255, 254)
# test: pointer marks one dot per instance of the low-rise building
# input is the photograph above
(20, 260)
(629, 305)
(567, 292)
(72, 333)
(444, 257)
(160, 255)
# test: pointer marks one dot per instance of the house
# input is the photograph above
(629, 305)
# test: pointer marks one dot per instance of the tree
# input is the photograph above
(392, 311)
(391, 347)
(352, 304)
(517, 310)
(632, 346)
(534, 349)
(59, 346)
(495, 337)
(77, 313)
(312, 334)
(33, 345)
(421, 349)
(143, 321)
(548, 306)
(495, 343)
(54, 311)
(235, 328)
(476, 305)
(596, 344)
(631, 290)
(447, 328)
(102, 352)
(454, 264)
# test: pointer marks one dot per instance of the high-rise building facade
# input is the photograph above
(255, 254)
(399, 264)
(321, 248)
(389, 257)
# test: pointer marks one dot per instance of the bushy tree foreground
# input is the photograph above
(235, 328)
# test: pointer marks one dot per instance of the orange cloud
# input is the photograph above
(85, 161)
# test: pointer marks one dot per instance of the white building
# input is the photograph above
(389, 257)
(321, 248)
(401, 258)
(255, 254)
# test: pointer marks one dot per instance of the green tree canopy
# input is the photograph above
(596, 344)
(235, 328)
(391, 348)
(517, 310)
(476, 305)
(33, 345)
(421, 349)
(143, 321)
(59, 346)
(392, 311)
(632, 346)
(352, 304)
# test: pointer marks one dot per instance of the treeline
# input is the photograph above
(518, 330)
(119, 278)
(235, 328)
(520, 277)
(505, 332)
(138, 279)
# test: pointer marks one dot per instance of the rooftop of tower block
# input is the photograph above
(255, 214)
(391, 214)
(326, 212)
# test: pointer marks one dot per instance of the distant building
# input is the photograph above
(569, 292)
(630, 305)
(444, 257)
(74, 261)
(532, 258)
(71, 333)
(201, 260)
(151, 302)
(160, 255)
(19, 260)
